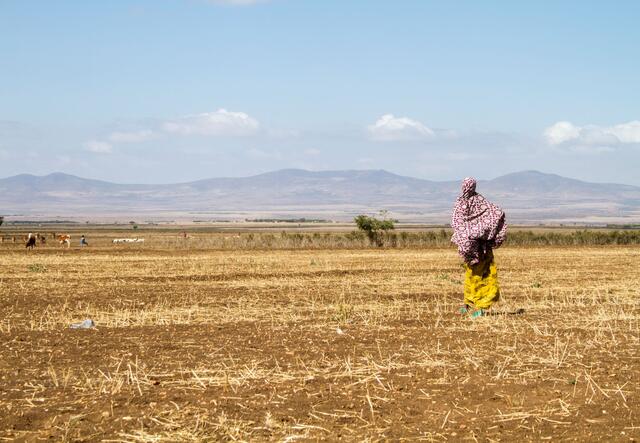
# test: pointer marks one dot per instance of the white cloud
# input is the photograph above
(627, 132)
(218, 123)
(561, 132)
(568, 133)
(132, 136)
(391, 128)
(98, 147)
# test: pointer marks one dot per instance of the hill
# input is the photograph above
(527, 196)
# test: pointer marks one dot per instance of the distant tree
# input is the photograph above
(1, 220)
(374, 228)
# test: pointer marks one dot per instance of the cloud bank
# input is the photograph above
(218, 123)
(391, 128)
(565, 132)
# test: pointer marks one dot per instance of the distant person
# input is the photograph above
(83, 241)
(479, 226)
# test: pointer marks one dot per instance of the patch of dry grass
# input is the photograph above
(202, 344)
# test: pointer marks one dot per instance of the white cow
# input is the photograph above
(127, 240)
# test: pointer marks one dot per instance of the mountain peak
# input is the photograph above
(526, 195)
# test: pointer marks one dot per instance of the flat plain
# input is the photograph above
(196, 340)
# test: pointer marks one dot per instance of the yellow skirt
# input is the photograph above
(481, 287)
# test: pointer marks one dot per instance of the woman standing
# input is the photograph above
(479, 226)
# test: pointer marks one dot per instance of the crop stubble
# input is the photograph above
(296, 344)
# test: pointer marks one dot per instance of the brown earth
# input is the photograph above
(203, 344)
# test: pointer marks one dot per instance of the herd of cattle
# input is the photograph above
(31, 240)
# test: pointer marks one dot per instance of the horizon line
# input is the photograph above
(60, 173)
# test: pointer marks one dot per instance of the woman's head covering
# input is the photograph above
(468, 187)
(478, 225)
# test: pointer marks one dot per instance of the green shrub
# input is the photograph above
(374, 228)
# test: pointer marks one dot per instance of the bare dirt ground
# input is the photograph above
(204, 344)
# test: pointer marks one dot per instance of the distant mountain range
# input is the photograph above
(527, 196)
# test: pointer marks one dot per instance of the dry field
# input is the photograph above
(195, 343)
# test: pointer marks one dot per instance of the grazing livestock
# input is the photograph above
(64, 239)
(127, 240)
(31, 241)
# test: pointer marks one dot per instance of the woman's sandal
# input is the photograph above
(478, 313)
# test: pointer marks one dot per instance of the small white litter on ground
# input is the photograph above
(86, 324)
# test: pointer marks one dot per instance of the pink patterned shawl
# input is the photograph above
(478, 225)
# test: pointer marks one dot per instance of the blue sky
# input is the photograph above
(177, 90)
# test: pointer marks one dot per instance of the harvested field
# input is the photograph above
(195, 343)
